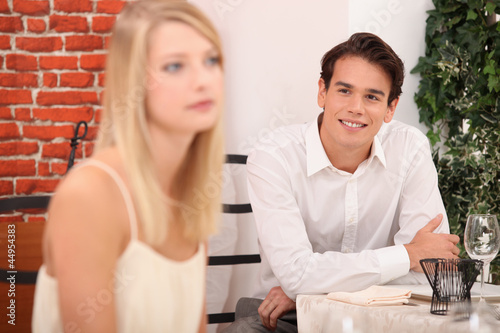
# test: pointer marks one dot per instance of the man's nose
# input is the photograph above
(356, 105)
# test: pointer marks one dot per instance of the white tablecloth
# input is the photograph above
(316, 313)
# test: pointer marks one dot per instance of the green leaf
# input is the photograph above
(453, 21)
(451, 8)
(475, 4)
(489, 70)
(494, 83)
(483, 207)
(490, 8)
(471, 15)
(433, 137)
(424, 63)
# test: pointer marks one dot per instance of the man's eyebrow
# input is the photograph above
(344, 84)
(350, 86)
(376, 92)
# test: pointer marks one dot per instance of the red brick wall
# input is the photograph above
(52, 56)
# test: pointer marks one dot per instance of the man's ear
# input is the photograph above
(321, 93)
(391, 108)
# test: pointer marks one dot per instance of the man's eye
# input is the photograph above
(372, 97)
(172, 68)
(343, 91)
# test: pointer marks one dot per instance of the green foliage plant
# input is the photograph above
(458, 100)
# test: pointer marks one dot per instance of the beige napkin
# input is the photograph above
(373, 296)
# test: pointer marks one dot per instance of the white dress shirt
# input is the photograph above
(322, 229)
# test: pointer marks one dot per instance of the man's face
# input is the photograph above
(355, 106)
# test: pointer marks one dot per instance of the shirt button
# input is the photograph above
(348, 251)
(351, 220)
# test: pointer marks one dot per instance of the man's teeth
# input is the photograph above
(352, 124)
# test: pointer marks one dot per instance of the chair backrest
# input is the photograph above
(221, 284)
(20, 259)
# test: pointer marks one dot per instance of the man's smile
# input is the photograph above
(353, 125)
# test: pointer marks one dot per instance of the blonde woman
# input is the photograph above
(124, 248)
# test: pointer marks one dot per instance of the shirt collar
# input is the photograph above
(377, 150)
(316, 155)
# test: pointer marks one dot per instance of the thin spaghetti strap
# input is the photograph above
(123, 189)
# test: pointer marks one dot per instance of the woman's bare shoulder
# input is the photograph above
(84, 186)
(86, 209)
(88, 186)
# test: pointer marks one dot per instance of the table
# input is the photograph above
(316, 313)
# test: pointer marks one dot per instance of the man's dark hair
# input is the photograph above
(372, 49)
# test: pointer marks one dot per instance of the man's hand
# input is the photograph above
(427, 244)
(275, 306)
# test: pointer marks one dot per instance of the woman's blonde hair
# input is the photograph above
(195, 199)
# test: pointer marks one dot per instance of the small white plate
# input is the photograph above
(491, 292)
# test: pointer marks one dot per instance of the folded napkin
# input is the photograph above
(373, 296)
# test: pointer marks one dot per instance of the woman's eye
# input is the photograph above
(172, 68)
(212, 61)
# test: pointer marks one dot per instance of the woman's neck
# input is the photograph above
(168, 155)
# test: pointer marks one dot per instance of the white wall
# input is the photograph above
(273, 50)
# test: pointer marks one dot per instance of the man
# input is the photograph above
(347, 201)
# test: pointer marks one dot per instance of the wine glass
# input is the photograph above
(482, 240)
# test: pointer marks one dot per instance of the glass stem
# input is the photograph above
(482, 284)
(485, 270)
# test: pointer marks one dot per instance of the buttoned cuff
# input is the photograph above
(394, 262)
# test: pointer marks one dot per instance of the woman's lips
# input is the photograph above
(202, 105)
